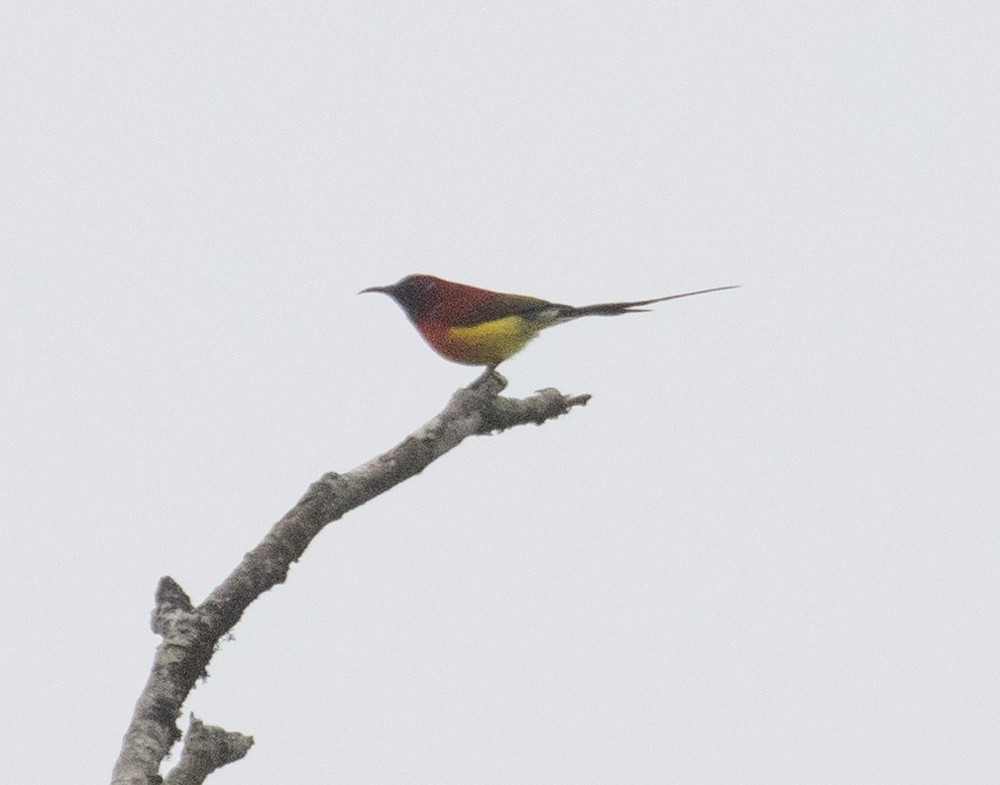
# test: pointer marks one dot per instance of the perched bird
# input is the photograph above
(474, 326)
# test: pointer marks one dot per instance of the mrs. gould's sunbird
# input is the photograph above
(474, 326)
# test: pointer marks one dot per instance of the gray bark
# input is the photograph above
(191, 634)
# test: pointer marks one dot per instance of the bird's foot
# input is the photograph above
(489, 378)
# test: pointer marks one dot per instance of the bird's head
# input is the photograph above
(415, 293)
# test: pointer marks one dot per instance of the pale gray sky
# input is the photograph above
(766, 552)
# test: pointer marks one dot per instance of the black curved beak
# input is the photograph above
(383, 289)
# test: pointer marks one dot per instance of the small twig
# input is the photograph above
(206, 748)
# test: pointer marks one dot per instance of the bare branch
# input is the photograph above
(190, 635)
(207, 748)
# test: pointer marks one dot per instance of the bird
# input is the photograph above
(473, 326)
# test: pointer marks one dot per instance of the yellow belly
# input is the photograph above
(488, 343)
